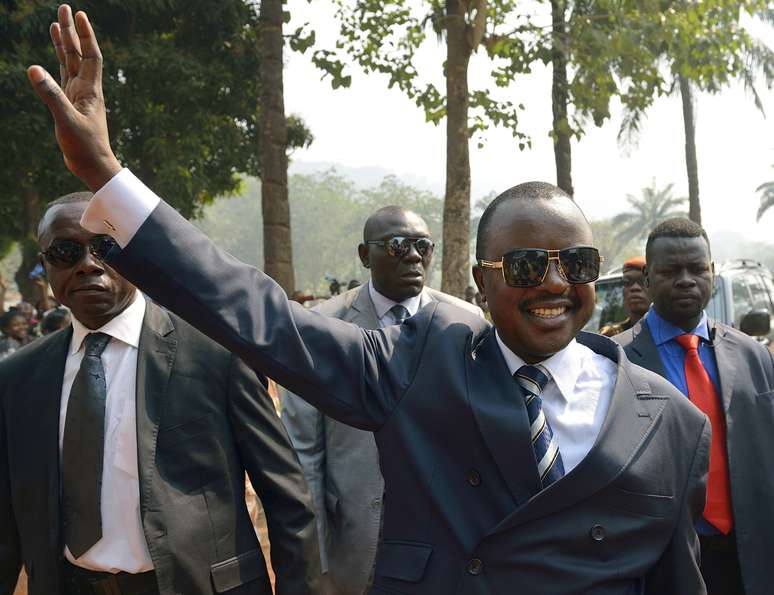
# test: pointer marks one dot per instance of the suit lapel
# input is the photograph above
(630, 419)
(726, 353)
(155, 358)
(425, 298)
(362, 311)
(498, 406)
(42, 400)
(644, 351)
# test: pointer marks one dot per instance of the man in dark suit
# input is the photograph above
(732, 380)
(122, 466)
(514, 458)
(341, 463)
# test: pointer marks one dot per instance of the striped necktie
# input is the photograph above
(549, 460)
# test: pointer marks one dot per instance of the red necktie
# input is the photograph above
(702, 393)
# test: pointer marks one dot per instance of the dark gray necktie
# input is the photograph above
(83, 447)
(399, 313)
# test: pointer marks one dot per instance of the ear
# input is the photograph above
(363, 253)
(43, 263)
(478, 277)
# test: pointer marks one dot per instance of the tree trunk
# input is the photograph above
(277, 245)
(691, 163)
(28, 244)
(559, 98)
(456, 207)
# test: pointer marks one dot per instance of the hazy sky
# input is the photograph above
(370, 125)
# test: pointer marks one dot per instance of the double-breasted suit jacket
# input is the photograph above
(463, 510)
(341, 463)
(746, 373)
(203, 418)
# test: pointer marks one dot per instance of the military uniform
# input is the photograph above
(615, 328)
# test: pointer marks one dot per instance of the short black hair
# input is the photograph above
(53, 319)
(525, 191)
(677, 227)
(67, 199)
(7, 317)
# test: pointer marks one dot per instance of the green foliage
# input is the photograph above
(386, 37)
(327, 213)
(648, 210)
(767, 198)
(705, 43)
(181, 85)
(614, 248)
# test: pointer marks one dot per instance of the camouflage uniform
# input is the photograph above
(615, 328)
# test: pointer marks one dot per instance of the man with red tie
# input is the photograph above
(728, 376)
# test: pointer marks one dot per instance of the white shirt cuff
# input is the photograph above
(120, 208)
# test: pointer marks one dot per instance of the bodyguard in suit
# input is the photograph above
(124, 442)
(341, 463)
(731, 378)
(525, 457)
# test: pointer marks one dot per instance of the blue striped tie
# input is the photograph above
(549, 461)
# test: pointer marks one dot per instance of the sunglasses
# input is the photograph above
(64, 254)
(399, 246)
(528, 267)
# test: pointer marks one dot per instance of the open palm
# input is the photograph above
(77, 103)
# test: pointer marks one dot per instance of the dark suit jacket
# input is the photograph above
(746, 373)
(203, 418)
(463, 511)
(341, 463)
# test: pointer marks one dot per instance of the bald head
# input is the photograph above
(387, 217)
(396, 276)
(538, 202)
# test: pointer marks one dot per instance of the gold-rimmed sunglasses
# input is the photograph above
(528, 267)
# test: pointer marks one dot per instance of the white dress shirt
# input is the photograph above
(575, 401)
(382, 305)
(576, 398)
(122, 547)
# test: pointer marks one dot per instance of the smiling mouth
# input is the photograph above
(548, 312)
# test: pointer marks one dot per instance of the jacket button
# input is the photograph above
(376, 504)
(475, 566)
(474, 478)
(597, 533)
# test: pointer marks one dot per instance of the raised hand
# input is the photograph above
(77, 104)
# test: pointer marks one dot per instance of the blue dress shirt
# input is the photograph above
(673, 358)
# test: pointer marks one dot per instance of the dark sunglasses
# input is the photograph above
(528, 267)
(399, 246)
(64, 254)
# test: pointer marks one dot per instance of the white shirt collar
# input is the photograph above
(383, 304)
(125, 327)
(564, 367)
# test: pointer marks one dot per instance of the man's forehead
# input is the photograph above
(406, 223)
(63, 221)
(678, 248)
(554, 223)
